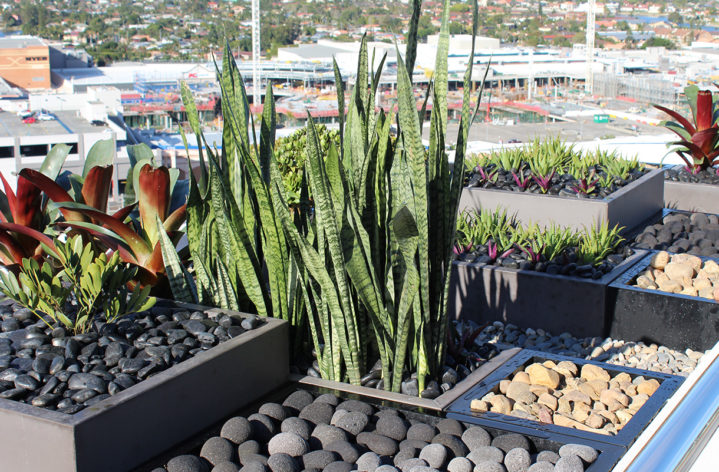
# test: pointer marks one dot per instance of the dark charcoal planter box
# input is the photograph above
(136, 424)
(626, 207)
(652, 316)
(691, 196)
(461, 410)
(438, 404)
(530, 299)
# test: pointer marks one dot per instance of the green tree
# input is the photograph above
(659, 42)
(425, 27)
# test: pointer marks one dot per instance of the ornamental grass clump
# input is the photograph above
(364, 273)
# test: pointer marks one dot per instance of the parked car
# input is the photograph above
(25, 114)
(45, 116)
(98, 123)
(29, 120)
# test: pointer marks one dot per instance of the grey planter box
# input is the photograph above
(628, 206)
(652, 316)
(438, 404)
(530, 299)
(691, 196)
(129, 428)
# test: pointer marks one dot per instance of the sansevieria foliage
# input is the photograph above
(366, 269)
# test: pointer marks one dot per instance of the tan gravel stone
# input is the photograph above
(542, 412)
(646, 283)
(550, 401)
(701, 284)
(660, 260)
(695, 262)
(578, 396)
(648, 387)
(581, 412)
(660, 276)
(610, 395)
(624, 416)
(671, 286)
(692, 292)
(610, 416)
(540, 375)
(595, 421)
(622, 377)
(678, 270)
(638, 401)
(593, 372)
(564, 406)
(567, 369)
(711, 267)
(503, 384)
(707, 293)
(539, 389)
(500, 404)
(561, 420)
(521, 377)
(648, 274)
(549, 364)
(478, 405)
(519, 392)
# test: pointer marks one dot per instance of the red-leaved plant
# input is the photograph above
(699, 143)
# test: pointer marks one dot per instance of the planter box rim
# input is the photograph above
(438, 404)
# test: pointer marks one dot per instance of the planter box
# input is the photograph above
(136, 424)
(461, 410)
(669, 319)
(691, 196)
(626, 207)
(531, 299)
(438, 404)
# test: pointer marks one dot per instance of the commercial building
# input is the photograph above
(25, 62)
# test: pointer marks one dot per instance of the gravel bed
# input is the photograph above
(565, 264)
(53, 369)
(692, 233)
(681, 174)
(328, 434)
(613, 351)
(563, 394)
(681, 273)
(562, 184)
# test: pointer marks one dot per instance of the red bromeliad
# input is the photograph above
(544, 181)
(699, 143)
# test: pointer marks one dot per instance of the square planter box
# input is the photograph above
(652, 316)
(136, 424)
(531, 299)
(626, 207)
(461, 410)
(438, 404)
(691, 196)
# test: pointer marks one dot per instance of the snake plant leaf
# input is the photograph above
(411, 52)
(102, 153)
(54, 160)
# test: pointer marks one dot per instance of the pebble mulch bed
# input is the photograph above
(695, 233)
(613, 351)
(565, 264)
(328, 434)
(588, 399)
(53, 369)
(681, 174)
(561, 184)
(681, 273)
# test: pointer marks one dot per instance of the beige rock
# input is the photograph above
(543, 413)
(581, 412)
(500, 404)
(589, 390)
(614, 395)
(561, 420)
(599, 406)
(645, 282)
(593, 372)
(595, 421)
(691, 291)
(521, 377)
(522, 414)
(478, 405)
(503, 384)
(707, 293)
(671, 286)
(609, 428)
(711, 267)
(660, 278)
(519, 406)
(695, 262)
(598, 386)
(564, 406)
(637, 402)
(624, 416)
(610, 416)
(519, 392)
(567, 369)
(701, 284)
(648, 387)
(613, 405)
(550, 401)
(648, 274)
(623, 377)
(539, 389)
(578, 396)
(660, 260)
(549, 364)
(678, 270)
(540, 375)
(629, 388)
(716, 293)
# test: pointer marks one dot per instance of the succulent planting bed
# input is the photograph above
(322, 432)
(561, 184)
(53, 369)
(679, 232)
(553, 393)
